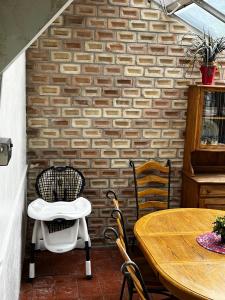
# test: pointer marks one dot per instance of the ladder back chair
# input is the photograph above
(136, 255)
(151, 185)
(60, 214)
(117, 215)
(132, 274)
(134, 279)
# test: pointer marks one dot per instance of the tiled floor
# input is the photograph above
(61, 277)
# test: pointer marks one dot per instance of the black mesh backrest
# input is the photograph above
(59, 184)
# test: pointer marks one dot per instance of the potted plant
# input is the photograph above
(219, 227)
(204, 52)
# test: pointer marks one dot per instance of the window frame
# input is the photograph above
(178, 5)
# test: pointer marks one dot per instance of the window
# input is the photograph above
(201, 20)
(165, 2)
(217, 4)
(204, 15)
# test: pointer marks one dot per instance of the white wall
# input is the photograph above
(12, 177)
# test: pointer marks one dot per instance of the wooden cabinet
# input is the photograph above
(204, 150)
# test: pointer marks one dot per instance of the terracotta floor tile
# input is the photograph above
(44, 263)
(110, 286)
(66, 297)
(92, 298)
(63, 267)
(43, 294)
(65, 279)
(66, 287)
(26, 286)
(67, 293)
(62, 277)
(111, 297)
(89, 288)
(43, 282)
(104, 275)
(26, 295)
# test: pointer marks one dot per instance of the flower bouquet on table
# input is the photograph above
(219, 228)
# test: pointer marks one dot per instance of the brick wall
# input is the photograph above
(105, 85)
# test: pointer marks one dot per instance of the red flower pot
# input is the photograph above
(208, 74)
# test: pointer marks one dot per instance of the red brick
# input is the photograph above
(85, 10)
(74, 21)
(72, 45)
(108, 11)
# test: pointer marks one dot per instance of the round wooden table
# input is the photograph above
(168, 241)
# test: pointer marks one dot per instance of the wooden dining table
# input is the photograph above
(168, 241)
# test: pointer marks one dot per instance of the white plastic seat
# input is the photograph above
(59, 226)
(49, 211)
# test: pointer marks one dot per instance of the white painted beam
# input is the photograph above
(21, 22)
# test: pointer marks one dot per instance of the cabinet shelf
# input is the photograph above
(204, 150)
(213, 118)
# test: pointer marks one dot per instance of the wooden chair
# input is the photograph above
(117, 215)
(135, 280)
(151, 185)
(136, 255)
(132, 274)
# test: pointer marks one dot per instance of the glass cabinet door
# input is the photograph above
(213, 119)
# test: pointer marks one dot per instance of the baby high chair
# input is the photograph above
(59, 214)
